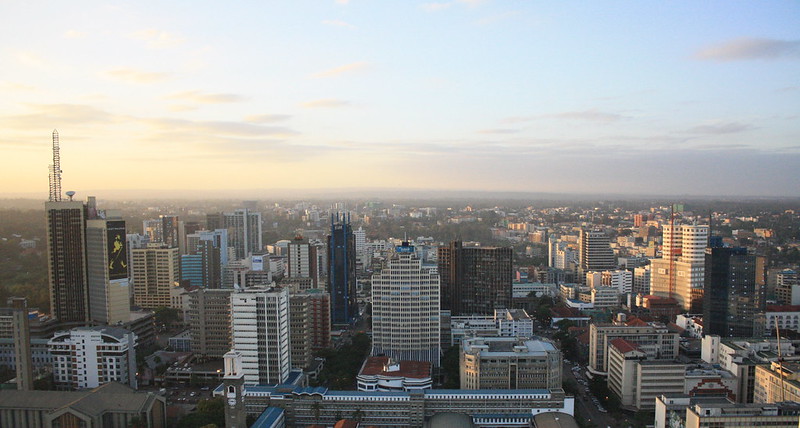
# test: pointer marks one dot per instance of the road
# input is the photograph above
(583, 402)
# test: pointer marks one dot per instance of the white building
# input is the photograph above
(683, 250)
(605, 297)
(693, 324)
(784, 316)
(509, 363)
(260, 333)
(524, 289)
(383, 374)
(405, 309)
(86, 357)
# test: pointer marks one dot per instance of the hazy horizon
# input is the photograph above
(611, 97)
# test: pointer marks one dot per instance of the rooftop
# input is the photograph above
(383, 366)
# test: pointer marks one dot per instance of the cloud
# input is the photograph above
(750, 48)
(157, 38)
(338, 23)
(592, 115)
(347, 68)
(498, 131)
(434, 7)
(130, 75)
(30, 59)
(181, 107)
(74, 34)
(57, 115)
(493, 19)
(720, 128)
(219, 128)
(343, 1)
(266, 118)
(15, 86)
(325, 103)
(205, 98)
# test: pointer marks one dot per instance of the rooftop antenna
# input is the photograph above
(55, 171)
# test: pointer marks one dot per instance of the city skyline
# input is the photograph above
(466, 95)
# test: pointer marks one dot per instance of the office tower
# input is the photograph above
(153, 229)
(303, 261)
(215, 221)
(679, 273)
(641, 280)
(594, 252)
(86, 357)
(787, 287)
(170, 230)
(509, 363)
(310, 325)
(244, 232)
(260, 332)
(21, 335)
(66, 250)
(155, 271)
(475, 280)
(342, 271)
(192, 270)
(654, 339)
(619, 279)
(186, 229)
(405, 309)
(732, 298)
(107, 269)
(210, 321)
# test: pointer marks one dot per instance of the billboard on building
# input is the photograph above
(117, 253)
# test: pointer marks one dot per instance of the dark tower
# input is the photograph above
(732, 297)
(233, 384)
(475, 280)
(342, 271)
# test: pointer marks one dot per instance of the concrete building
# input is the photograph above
(696, 412)
(733, 300)
(260, 333)
(108, 406)
(595, 253)
(605, 297)
(509, 363)
(17, 314)
(680, 272)
(785, 317)
(244, 232)
(303, 261)
(504, 323)
(155, 271)
(309, 325)
(384, 374)
(210, 321)
(787, 287)
(654, 339)
(86, 357)
(475, 280)
(405, 309)
(777, 382)
(107, 270)
(305, 406)
(66, 258)
(641, 280)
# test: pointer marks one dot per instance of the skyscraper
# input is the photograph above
(107, 267)
(732, 297)
(342, 271)
(155, 271)
(260, 333)
(169, 230)
(310, 325)
(303, 261)
(244, 232)
(595, 253)
(66, 260)
(679, 273)
(405, 309)
(475, 280)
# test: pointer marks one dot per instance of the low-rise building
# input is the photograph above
(509, 363)
(383, 374)
(654, 339)
(87, 357)
(777, 382)
(696, 412)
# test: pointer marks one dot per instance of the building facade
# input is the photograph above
(260, 333)
(509, 363)
(475, 280)
(733, 300)
(680, 272)
(310, 325)
(107, 270)
(155, 270)
(66, 260)
(342, 271)
(209, 318)
(405, 309)
(87, 357)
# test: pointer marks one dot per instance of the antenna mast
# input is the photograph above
(55, 171)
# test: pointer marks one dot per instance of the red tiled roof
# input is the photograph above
(584, 338)
(623, 345)
(409, 369)
(635, 322)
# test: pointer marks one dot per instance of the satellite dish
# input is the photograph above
(70, 194)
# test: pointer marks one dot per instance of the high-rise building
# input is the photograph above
(170, 230)
(405, 309)
(210, 321)
(732, 298)
(21, 336)
(107, 269)
(260, 333)
(310, 325)
(244, 232)
(303, 261)
(86, 357)
(155, 270)
(66, 260)
(475, 280)
(787, 287)
(594, 252)
(342, 271)
(153, 229)
(679, 273)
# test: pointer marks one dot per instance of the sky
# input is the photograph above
(623, 97)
